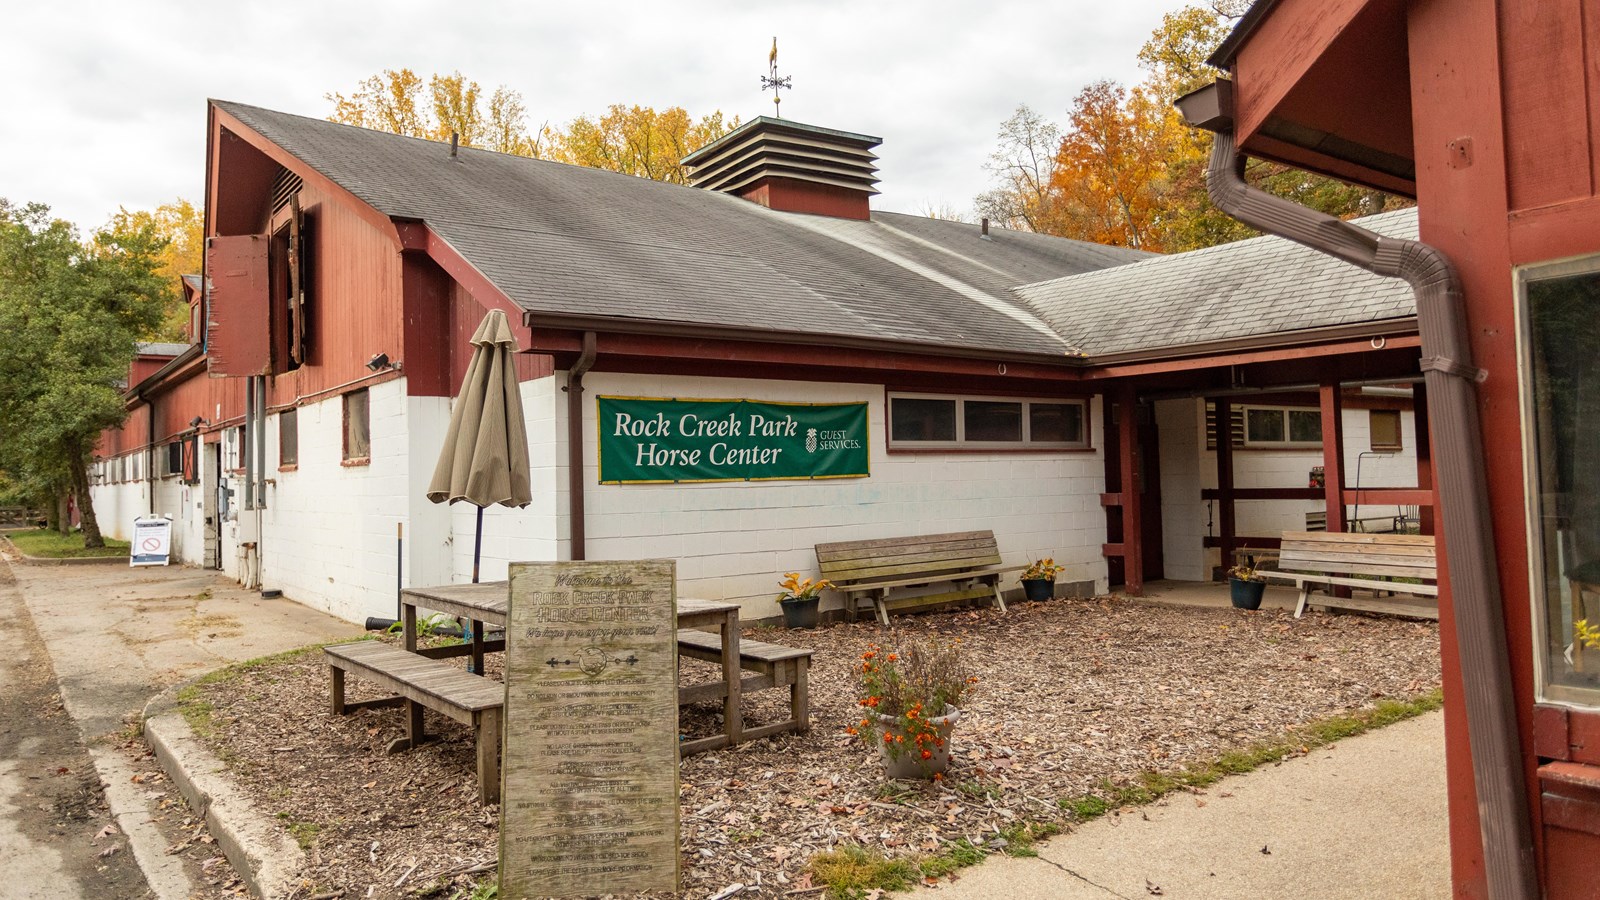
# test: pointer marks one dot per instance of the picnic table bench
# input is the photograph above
(775, 666)
(1328, 559)
(871, 571)
(424, 682)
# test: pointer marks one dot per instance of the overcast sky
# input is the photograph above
(107, 104)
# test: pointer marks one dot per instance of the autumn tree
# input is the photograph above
(1110, 176)
(634, 140)
(181, 228)
(72, 312)
(637, 140)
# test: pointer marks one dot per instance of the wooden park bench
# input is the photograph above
(873, 570)
(421, 682)
(1368, 561)
(775, 666)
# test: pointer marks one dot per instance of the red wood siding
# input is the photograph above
(809, 197)
(238, 337)
(356, 298)
(1546, 58)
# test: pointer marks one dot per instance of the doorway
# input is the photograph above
(1147, 477)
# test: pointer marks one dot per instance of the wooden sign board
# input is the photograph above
(590, 798)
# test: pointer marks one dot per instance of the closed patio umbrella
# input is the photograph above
(485, 455)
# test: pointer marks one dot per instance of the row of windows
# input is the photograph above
(1275, 428)
(170, 458)
(932, 421)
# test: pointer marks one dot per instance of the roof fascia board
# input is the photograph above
(680, 330)
(1294, 39)
(181, 368)
(1307, 348)
(300, 167)
(416, 235)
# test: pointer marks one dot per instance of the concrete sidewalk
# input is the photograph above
(1363, 818)
(118, 636)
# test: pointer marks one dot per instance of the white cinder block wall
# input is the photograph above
(733, 540)
(1186, 519)
(328, 532)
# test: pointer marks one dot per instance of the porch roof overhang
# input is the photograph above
(1325, 86)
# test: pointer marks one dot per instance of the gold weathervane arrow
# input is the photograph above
(773, 80)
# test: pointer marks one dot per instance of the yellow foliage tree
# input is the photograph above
(1111, 170)
(634, 140)
(180, 227)
(637, 140)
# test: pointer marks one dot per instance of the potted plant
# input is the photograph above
(1039, 579)
(800, 599)
(1246, 585)
(908, 701)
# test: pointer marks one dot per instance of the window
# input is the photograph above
(1269, 427)
(172, 459)
(357, 427)
(932, 421)
(1385, 428)
(1560, 372)
(288, 438)
(233, 449)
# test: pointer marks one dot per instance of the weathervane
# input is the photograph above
(773, 80)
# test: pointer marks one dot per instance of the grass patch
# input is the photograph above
(851, 871)
(45, 543)
(1151, 786)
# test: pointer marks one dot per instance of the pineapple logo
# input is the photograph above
(811, 440)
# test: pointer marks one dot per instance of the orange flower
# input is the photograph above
(851, 730)
(893, 657)
(938, 776)
(927, 754)
(888, 738)
(865, 723)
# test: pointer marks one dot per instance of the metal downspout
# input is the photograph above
(150, 456)
(1463, 496)
(574, 391)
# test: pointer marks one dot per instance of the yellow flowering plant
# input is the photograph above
(795, 589)
(1042, 570)
(909, 688)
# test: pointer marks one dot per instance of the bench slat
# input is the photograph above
(909, 540)
(930, 578)
(1352, 567)
(1413, 551)
(930, 568)
(848, 554)
(1359, 537)
(436, 685)
(754, 650)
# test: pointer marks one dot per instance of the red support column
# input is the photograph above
(1333, 454)
(1132, 492)
(1225, 513)
(1424, 458)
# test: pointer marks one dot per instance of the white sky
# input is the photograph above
(107, 104)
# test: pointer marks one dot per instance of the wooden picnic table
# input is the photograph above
(485, 604)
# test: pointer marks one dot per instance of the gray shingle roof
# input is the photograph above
(576, 241)
(1260, 286)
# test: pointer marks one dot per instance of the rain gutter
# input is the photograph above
(575, 453)
(1451, 379)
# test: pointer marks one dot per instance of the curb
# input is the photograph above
(61, 561)
(264, 856)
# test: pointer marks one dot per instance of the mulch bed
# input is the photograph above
(1071, 694)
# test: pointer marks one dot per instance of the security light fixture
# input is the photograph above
(197, 421)
(381, 361)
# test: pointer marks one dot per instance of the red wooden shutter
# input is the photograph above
(238, 335)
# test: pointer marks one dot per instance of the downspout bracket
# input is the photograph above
(1450, 367)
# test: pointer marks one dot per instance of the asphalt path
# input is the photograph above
(81, 814)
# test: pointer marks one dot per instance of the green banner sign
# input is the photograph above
(646, 440)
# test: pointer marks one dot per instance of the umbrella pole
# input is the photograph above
(477, 546)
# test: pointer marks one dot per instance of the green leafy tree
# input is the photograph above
(72, 312)
(181, 225)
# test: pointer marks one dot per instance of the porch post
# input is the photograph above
(1224, 432)
(1419, 395)
(1333, 454)
(1132, 520)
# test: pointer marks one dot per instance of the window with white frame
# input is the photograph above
(1560, 372)
(942, 421)
(1271, 427)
